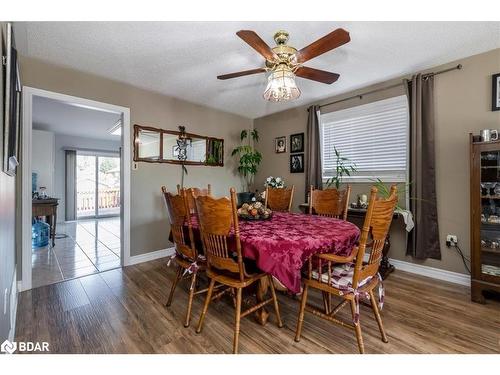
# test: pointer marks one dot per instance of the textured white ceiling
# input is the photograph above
(182, 59)
(66, 118)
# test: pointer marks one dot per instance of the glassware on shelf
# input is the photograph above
(489, 156)
(490, 270)
(496, 189)
(493, 207)
(488, 186)
(483, 188)
(494, 219)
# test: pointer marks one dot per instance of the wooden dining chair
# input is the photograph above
(329, 202)
(218, 220)
(189, 262)
(196, 192)
(279, 199)
(350, 278)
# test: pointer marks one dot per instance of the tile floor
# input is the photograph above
(91, 246)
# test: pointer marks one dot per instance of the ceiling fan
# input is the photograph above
(284, 62)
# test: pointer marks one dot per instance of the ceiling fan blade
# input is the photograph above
(256, 42)
(316, 75)
(242, 73)
(330, 41)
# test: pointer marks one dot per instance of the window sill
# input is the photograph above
(370, 180)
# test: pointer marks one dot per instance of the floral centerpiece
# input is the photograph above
(274, 182)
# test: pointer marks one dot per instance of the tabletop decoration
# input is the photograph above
(274, 182)
(254, 211)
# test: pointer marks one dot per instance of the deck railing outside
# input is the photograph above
(107, 199)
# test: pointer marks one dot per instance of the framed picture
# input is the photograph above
(3, 121)
(12, 103)
(280, 145)
(495, 93)
(297, 142)
(297, 163)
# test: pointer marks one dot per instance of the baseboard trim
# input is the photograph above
(136, 259)
(435, 273)
(13, 307)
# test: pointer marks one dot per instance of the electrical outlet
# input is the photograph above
(451, 240)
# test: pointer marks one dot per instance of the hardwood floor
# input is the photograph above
(122, 311)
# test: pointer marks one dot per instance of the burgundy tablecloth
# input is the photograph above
(282, 245)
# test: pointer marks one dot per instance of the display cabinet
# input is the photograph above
(485, 217)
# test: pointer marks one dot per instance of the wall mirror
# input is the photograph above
(149, 142)
(156, 145)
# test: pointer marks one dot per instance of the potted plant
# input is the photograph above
(343, 166)
(249, 160)
(385, 191)
(214, 154)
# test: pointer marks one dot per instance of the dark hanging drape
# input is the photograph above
(313, 150)
(423, 241)
(70, 185)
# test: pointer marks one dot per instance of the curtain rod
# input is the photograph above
(360, 96)
(92, 150)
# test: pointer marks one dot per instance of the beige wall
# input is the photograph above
(463, 100)
(149, 226)
(7, 220)
(463, 105)
(43, 158)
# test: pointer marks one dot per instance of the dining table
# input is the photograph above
(359, 214)
(282, 244)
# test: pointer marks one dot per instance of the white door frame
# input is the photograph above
(27, 126)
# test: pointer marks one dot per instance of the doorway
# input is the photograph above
(97, 237)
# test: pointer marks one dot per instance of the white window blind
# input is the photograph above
(373, 136)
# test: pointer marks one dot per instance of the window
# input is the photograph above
(373, 136)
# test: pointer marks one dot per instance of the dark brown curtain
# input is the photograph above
(423, 241)
(70, 185)
(313, 150)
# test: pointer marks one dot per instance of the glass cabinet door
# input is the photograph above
(490, 212)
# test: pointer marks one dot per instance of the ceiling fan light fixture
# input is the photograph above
(281, 86)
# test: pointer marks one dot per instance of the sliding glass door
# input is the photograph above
(108, 186)
(97, 185)
(86, 193)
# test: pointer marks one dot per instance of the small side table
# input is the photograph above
(48, 208)
(385, 266)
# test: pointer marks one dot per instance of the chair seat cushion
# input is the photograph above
(342, 275)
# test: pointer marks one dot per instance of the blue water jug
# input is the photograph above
(40, 233)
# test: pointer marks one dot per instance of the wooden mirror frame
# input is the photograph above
(209, 142)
